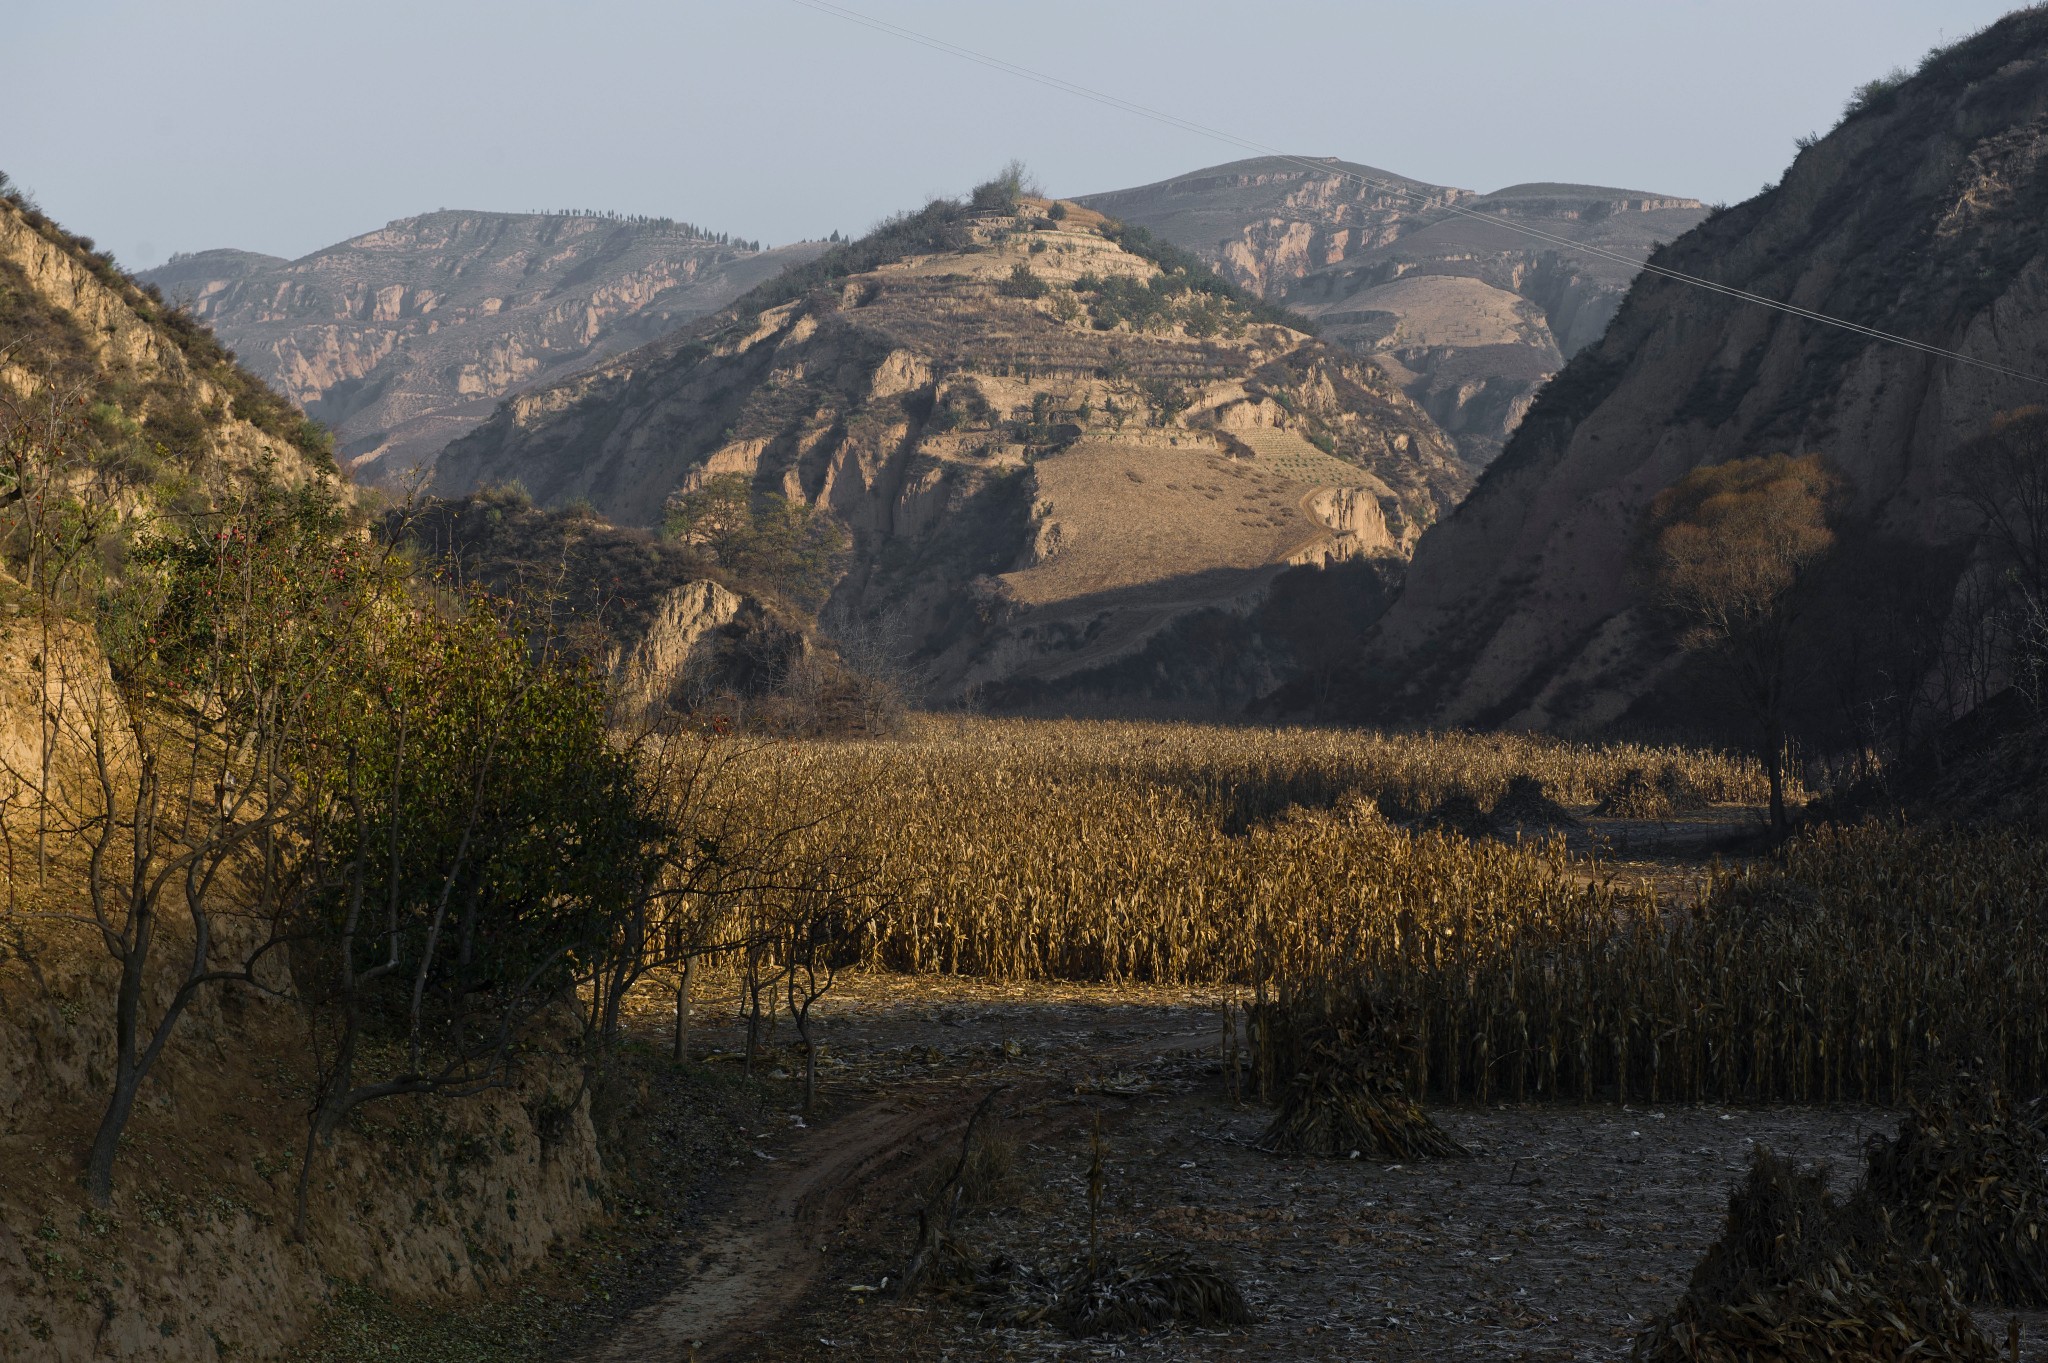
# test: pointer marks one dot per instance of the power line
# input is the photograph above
(1405, 191)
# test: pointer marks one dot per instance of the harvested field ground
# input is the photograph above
(1568, 1227)
(1286, 454)
(1138, 514)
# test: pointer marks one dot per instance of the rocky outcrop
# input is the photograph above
(1046, 446)
(1924, 214)
(1470, 318)
(671, 632)
(700, 641)
(404, 338)
(647, 671)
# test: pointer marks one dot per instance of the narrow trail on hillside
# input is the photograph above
(759, 1259)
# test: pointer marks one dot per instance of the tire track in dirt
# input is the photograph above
(760, 1259)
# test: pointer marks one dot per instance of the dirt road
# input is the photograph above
(1568, 1228)
(767, 1252)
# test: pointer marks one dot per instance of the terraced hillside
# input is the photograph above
(1051, 440)
(1468, 317)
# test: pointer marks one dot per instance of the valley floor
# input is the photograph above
(1567, 1228)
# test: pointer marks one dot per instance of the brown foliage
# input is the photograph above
(1734, 548)
(1785, 1281)
(1734, 541)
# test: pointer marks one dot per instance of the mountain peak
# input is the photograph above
(1920, 215)
(1469, 316)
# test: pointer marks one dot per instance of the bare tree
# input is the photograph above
(748, 826)
(175, 708)
(826, 926)
(2003, 478)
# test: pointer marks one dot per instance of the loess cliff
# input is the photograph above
(152, 386)
(1051, 443)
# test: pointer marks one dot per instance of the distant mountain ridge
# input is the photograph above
(404, 338)
(1471, 319)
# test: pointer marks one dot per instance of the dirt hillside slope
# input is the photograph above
(153, 384)
(194, 1257)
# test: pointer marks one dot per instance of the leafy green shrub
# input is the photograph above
(939, 226)
(1000, 194)
(479, 804)
(960, 405)
(178, 427)
(1167, 400)
(1198, 276)
(1022, 283)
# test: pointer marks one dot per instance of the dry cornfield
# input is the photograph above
(1839, 971)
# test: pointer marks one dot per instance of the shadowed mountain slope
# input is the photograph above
(1925, 214)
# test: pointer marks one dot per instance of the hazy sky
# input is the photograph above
(281, 126)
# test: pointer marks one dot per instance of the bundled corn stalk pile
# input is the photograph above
(1099, 1295)
(1638, 795)
(1525, 804)
(1330, 1062)
(1790, 1281)
(1965, 1183)
(1460, 812)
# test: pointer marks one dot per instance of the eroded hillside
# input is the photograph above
(1924, 214)
(1470, 319)
(404, 338)
(150, 384)
(1050, 447)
